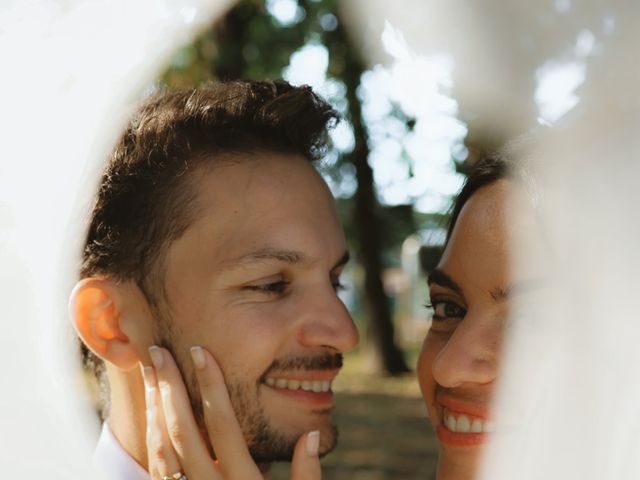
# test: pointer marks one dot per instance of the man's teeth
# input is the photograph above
(463, 424)
(306, 385)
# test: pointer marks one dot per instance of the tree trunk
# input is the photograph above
(387, 356)
(231, 36)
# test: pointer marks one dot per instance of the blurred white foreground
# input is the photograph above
(572, 365)
(70, 70)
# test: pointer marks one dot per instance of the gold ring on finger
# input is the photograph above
(175, 476)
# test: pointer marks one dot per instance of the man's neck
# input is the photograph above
(127, 412)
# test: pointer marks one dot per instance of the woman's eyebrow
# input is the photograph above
(439, 277)
(523, 286)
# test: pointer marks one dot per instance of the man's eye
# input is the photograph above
(443, 310)
(269, 288)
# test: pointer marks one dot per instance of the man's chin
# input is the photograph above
(328, 440)
(273, 446)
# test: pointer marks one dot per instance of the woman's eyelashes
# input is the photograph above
(337, 285)
(446, 309)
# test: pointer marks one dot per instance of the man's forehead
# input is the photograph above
(252, 169)
(253, 184)
(244, 214)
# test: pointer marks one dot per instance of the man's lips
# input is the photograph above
(312, 386)
(301, 375)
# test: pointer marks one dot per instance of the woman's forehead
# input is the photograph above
(497, 222)
(484, 220)
(477, 253)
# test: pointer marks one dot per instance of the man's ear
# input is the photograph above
(112, 318)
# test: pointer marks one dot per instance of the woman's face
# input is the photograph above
(460, 357)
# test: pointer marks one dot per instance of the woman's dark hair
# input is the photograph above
(486, 171)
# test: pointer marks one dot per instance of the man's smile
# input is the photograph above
(306, 385)
(313, 386)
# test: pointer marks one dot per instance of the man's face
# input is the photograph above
(254, 280)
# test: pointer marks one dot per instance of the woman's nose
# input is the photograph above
(471, 354)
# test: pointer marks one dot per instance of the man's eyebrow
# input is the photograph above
(442, 279)
(277, 255)
(267, 255)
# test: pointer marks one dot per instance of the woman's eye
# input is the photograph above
(270, 288)
(443, 310)
(337, 286)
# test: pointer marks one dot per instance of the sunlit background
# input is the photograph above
(425, 89)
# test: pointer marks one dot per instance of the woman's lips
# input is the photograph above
(462, 423)
(468, 407)
(457, 439)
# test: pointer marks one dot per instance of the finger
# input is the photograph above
(161, 457)
(306, 462)
(224, 431)
(180, 424)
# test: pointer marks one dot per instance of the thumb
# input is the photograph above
(306, 463)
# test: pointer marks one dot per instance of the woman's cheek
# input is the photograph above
(430, 349)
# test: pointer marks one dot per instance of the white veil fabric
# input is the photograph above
(70, 71)
(572, 363)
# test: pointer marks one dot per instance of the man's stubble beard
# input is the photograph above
(265, 442)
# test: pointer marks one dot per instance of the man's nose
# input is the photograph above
(471, 355)
(327, 323)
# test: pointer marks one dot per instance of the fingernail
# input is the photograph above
(149, 376)
(197, 355)
(151, 412)
(156, 356)
(313, 443)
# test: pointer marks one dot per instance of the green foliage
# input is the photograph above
(251, 43)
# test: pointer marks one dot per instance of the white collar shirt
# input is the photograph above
(114, 461)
